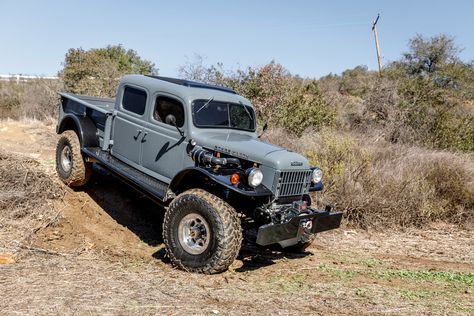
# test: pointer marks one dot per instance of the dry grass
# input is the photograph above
(35, 99)
(26, 192)
(378, 184)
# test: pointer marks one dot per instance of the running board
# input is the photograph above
(141, 181)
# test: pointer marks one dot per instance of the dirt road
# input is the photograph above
(106, 256)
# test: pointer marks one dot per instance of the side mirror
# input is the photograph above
(171, 120)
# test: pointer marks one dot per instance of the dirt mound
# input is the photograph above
(108, 217)
(38, 211)
(27, 193)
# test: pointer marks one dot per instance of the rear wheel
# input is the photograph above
(71, 167)
(202, 233)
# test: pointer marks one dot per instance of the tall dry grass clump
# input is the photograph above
(378, 184)
(26, 195)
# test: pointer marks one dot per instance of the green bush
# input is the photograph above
(357, 81)
(305, 109)
(97, 71)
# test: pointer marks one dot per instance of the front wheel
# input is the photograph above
(202, 233)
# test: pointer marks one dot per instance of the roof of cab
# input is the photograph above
(193, 84)
(186, 89)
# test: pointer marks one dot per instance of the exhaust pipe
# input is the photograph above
(204, 157)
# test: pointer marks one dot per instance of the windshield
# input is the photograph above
(210, 113)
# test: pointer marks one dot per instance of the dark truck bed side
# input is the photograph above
(93, 107)
(98, 110)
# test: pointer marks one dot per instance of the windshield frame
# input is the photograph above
(247, 106)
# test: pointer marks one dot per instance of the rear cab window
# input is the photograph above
(134, 100)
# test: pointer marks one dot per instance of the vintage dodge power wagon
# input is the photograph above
(194, 148)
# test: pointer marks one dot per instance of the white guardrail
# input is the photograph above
(22, 78)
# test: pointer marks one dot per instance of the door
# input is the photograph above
(164, 147)
(128, 129)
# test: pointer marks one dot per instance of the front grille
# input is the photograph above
(292, 183)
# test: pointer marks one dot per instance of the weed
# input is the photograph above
(371, 262)
(362, 292)
(466, 278)
(415, 295)
(343, 275)
(291, 284)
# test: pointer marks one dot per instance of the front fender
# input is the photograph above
(189, 175)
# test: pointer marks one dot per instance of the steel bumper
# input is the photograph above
(316, 222)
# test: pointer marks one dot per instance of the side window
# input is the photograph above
(134, 100)
(168, 110)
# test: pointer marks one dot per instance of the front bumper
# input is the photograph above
(296, 227)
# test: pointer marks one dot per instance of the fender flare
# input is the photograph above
(219, 180)
(83, 126)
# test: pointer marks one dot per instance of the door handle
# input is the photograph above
(144, 136)
(138, 134)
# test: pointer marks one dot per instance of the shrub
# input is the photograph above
(9, 98)
(380, 185)
(305, 108)
(357, 81)
(37, 99)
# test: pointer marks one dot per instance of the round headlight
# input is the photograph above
(317, 175)
(255, 177)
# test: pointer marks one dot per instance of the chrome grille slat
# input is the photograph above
(294, 182)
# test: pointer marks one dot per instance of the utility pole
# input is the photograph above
(374, 28)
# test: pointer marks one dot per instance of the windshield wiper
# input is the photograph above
(205, 104)
(246, 110)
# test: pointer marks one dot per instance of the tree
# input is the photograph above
(427, 55)
(435, 89)
(98, 70)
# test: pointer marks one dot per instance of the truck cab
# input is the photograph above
(194, 148)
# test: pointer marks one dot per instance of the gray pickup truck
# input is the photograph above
(193, 148)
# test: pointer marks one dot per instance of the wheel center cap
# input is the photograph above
(194, 233)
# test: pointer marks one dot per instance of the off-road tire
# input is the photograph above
(300, 246)
(225, 236)
(80, 170)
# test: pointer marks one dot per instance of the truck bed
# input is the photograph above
(102, 105)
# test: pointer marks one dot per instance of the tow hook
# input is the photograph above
(307, 224)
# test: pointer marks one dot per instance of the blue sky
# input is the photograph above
(310, 38)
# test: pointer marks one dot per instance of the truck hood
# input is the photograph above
(251, 148)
